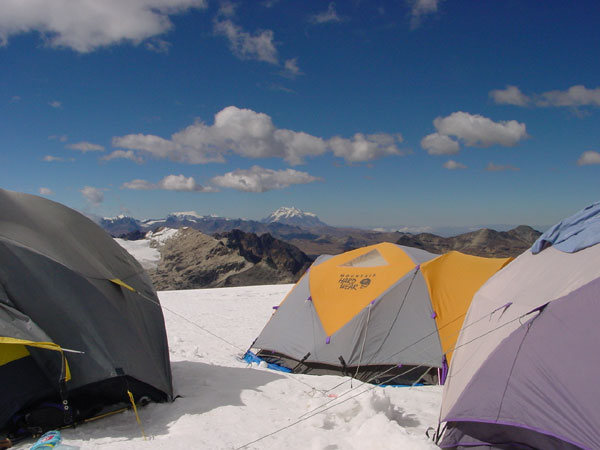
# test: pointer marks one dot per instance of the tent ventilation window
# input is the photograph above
(370, 259)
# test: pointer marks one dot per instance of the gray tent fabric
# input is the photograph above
(396, 328)
(55, 286)
(534, 389)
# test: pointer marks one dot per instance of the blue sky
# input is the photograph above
(420, 113)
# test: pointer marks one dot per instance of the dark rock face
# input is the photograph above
(484, 242)
(134, 235)
(194, 260)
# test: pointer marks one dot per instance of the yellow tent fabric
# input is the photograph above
(10, 353)
(452, 280)
(354, 279)
(20, 347)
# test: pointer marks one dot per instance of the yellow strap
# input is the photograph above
(137, 417)
(44, 345)
(122, 283)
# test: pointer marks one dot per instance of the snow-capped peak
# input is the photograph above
(294, 216)
(186, 214)
(286, 212)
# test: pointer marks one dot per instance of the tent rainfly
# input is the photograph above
(523, 373)
(80, 323)
(383, 313)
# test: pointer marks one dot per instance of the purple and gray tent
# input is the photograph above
(524, 368)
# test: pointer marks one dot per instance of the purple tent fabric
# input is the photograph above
(539, 381)
(574, 233)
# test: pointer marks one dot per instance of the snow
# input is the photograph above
(146, 250)
(288, 212)
(187, 214)
(227, 404)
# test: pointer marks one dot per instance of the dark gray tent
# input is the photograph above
(66, 285)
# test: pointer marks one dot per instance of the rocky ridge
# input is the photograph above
(196, 260)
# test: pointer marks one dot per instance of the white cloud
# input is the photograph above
(574, 96)
(363, 147)
(589, 157)
(439, 144)
(158, 45)
(259, 179)
(244, 45)
(328, 16)
(122, 154)
(421, 8)
(85, 25)
(93, 195)
(179, 183)
(61, 138)
(476, 130)
(253, 135)
(45, 191)
(55, 104)
(85, 147)
(453, 165)
(227, 8)
(291, 69)
(491, 167)
(50, 158)
(512, 95)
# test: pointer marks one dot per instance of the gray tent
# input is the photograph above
(66, 285)
(382, 313)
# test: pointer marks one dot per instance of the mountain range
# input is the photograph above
(210, 251)
(313, 237)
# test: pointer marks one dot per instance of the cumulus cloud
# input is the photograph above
(361, 147)
(478, 131)
(55, 104)
(85, 25)
(93, 195)
(589, 157)
(259, 46)
(512, 95)
(85, 147)
(491, 167)
(439, 144)
(253, 135)
(574, 96)
(421, 8)
(122, 154)
(179, 183)
(259, 179)
(45, 191)
(453, 165)
(328, 16)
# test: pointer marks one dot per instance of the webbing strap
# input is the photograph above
(122, 283)
(137, 417)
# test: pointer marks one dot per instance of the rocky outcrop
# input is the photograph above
(484, 242)
(195, 260)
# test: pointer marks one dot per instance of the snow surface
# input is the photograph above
(146, 250)
(228, 404)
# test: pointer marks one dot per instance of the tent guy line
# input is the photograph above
(324, 407)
